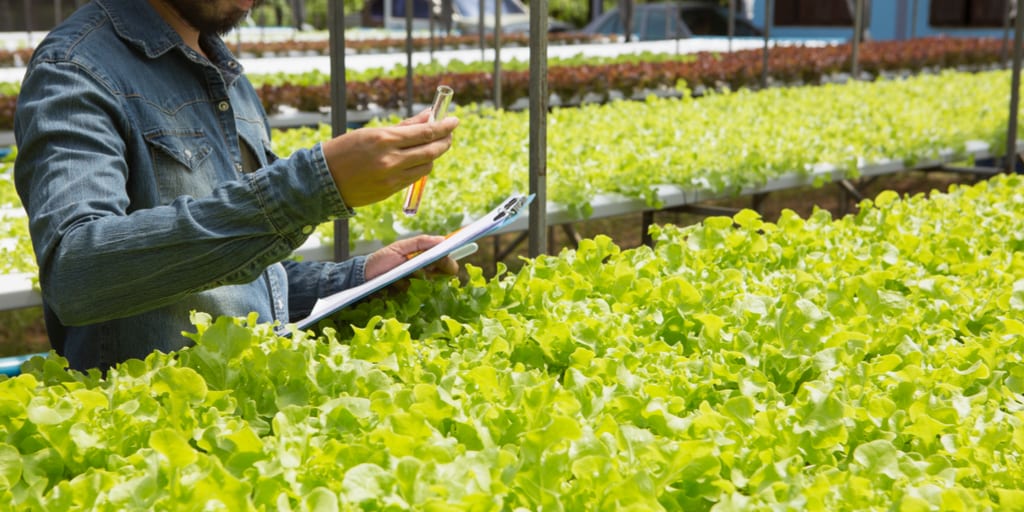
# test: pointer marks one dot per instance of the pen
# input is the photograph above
(442, 98)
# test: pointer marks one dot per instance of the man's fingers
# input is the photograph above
(423, 242)
(426, 133)
(421, 117)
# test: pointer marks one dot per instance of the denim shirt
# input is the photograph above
(130, 169)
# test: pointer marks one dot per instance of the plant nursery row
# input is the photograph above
(581, 80)
(871, 362)
(321, 46)
(720, 143)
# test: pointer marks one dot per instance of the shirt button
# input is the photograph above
(307, 230)
(238, 167)
(223, 106)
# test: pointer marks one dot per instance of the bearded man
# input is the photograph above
(145, 166)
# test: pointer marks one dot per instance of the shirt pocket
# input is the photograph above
(182, 164)
(258, 147)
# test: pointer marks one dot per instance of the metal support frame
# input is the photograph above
(849, 188)
(757, 201)
(573, 236)
(732, 23)
(497, 53)
(28, 21)
(500, 253)
(858, 31)
(847, 191)
(647, 219)
(706, 210)
(409, 92)
(1004, 52)
(626, 10)
(430, 28)
(538, 126)
(913, 19)
(768, 19)
(1009, 163)
(978, 172)
(480, 31)
(339, 110)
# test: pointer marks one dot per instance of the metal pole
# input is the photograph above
(1011, 130)
(669, 29)
(430, 24)
(339, 108)
(732, 22)
(626, 8)
(497, 54)
(408, 59)
(28, 21)
(1003, 52)
(538, 243)
(57, 12)
(858, 28)
(913, 19)
(480, 30)
(767, 36)
(299, 13)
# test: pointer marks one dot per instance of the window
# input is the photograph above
(467, 8)
(813, 12)
(611, 25)
(967, 13)
(705, 22)
(420, 8)
(471, 8)
(655, 27)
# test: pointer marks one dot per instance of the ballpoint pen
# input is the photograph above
(442, 99)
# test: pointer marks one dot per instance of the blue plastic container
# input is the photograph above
(11, 366)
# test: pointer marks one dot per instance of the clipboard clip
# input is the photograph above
(510, 208)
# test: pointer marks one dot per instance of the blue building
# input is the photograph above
(884, 19)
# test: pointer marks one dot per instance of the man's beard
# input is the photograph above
(204, 17)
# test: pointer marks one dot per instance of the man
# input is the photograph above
(144, 164)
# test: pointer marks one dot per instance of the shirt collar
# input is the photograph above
(139, 24)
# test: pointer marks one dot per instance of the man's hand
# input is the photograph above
(371, 164)
(395, 254)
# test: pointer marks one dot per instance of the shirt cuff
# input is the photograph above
(323, 172)
(298, 193)
(342, 276)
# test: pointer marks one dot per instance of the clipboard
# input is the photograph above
(501, 215)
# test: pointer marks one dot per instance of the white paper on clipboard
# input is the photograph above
(501, 215)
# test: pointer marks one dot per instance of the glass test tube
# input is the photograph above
(442, 99)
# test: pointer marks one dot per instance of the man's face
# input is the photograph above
(214, 16)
